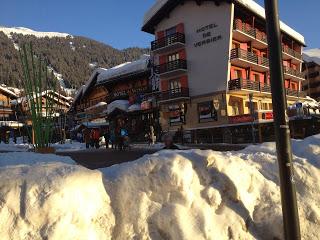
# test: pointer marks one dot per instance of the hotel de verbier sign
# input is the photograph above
(207, 34)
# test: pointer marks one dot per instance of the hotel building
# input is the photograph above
(211, 68)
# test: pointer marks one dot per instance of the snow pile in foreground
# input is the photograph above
(168, 195)
(51, 198)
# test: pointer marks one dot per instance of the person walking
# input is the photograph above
(95, 137)
(106, 136)
(86, 137)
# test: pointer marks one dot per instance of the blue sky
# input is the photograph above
(118, 22)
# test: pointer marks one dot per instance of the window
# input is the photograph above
(175, 86)
(264, 106)
(177, 114)
(171, 31)
(173, 57)
(256, 77)
(235, 45)
(207, 112)
(237, 73)
(235, 109)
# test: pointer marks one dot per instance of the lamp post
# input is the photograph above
(282, 130)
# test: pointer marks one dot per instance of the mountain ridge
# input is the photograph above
(72, 58)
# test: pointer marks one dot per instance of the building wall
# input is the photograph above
(207, 63)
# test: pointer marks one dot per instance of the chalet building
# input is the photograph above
(312, 75)
(60, 107)
(211, 68)
(119, 92)
(7, 114)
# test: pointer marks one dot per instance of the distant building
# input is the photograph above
(211, 62)
(312, 75)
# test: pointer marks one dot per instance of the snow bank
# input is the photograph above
(51, 198)
(190, 194)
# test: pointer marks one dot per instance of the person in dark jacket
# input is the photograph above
(168, 142)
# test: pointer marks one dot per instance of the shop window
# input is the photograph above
(177, 114)
(235, 109)
(264, 106)
(207, 112)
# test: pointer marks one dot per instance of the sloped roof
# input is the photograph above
(125, 69)
(8, 92)
(162, 7)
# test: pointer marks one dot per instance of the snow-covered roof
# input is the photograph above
(92, 80)
(124, 69)
(249, 4)
(312, 55)
(7, 91)
(27, 31)
(122, 105)
(98, 105)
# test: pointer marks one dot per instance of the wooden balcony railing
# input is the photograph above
(249, 56)
(293, 72)
(173, 94)
(245, 84)
(171, 66)
(167, 41)
(292, 52)
(247, 29)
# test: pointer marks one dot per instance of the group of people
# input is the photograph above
(118, 138)
(91, 137)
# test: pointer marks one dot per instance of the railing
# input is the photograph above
(247, 29)
(293, 72)
(167, 41)
(245, 84)
(292, 52)
(237, 84)
(249, 56)
(173, 94)
(171, 66)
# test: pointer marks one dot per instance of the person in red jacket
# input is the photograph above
(95, 135)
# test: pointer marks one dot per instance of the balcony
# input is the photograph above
(168, 43)
(173, 95)
(289, 53)
(245, 59)
(292, 73)
(242, 86)
(172, 68)
(244, 33)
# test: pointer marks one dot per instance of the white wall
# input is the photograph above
(208, 64)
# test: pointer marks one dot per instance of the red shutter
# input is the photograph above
(162, 59)
(160, 34)
(164, 85)
(286, 83)
(180, 28)
(182, 54)
(184, 81)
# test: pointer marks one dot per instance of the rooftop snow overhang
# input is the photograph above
(162, 8)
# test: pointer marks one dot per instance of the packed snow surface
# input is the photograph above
(190, 194)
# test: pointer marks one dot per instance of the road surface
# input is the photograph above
(99, 158)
